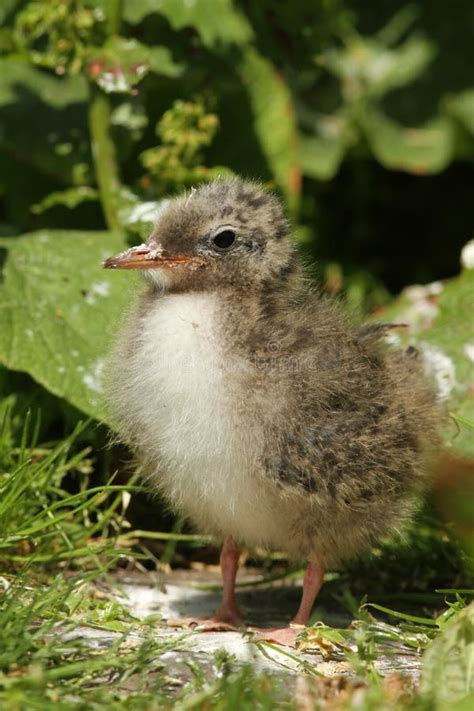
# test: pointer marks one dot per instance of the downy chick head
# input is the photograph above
(228, 233)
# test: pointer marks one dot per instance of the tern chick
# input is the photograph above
(255, 405)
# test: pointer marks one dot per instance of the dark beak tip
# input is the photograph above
(109, 263)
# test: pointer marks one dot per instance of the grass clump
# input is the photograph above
(53, 545)
(59, 534)
(67, 642)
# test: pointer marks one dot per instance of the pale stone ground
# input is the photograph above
(174, 595)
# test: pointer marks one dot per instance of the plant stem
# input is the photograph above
(113, 10)
(103, 148)
(105, 155)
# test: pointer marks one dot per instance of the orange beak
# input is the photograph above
(145, 257)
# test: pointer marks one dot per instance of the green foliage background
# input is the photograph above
(360, 114)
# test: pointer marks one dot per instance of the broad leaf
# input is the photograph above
(448, 672)
(462, 107)
(216, 21)
(274, 121)
(367, 67)
(7, 7)
(452, 334)
(70, 198)
(57, 107)
(440, 326)
(320, 158)
(58, 311)
(162, 62)
(420, 150)
(322, 154)
(18, 78)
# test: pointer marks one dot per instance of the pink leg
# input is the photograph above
(227, 616)
(313, 580)
(312, 583)
(229, 560)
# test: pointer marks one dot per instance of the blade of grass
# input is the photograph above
(402, 615)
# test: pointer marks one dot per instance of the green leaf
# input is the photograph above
(274, 122)
(134, 11)
(403, 615)
(69, 307)
(420, 150)
(462, 107)
(321, 155)
(320, 158)
(452, 335)
(6, 7)
(57, 107)
(392, 69)
(440, 326)
(398, 25)
(57, 93)
(216, 21)
(368, 68)
(448, 664)
(70, 198)
(162, 62)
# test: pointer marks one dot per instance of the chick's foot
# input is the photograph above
(286, 636)
(225, 619)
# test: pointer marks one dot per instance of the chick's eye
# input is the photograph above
(224, 239)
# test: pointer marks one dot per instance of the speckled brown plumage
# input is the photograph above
(322, 431)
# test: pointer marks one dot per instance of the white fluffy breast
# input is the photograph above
(182, 396)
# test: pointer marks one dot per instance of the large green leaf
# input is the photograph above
(6, 7)
(420, 150)
(320, 158)
(71, 198)
(58, 311)
(162, 62)
(462, 107)
(448, 666)
(440, 323)
(17, 77)
(57, 110)
(368, 67)
(322, 153)
(215, 20)
(452, 334)
(274, 121)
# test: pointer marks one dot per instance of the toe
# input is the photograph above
(204, 624)
(285, 636)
